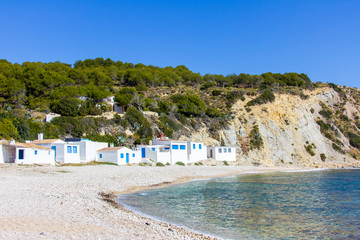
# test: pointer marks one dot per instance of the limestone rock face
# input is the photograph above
(286, 126)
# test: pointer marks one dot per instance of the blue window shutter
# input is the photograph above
(74, 149)
(68, 149)
(182, 147)
(199, 146)
(121, 155)
(194, 146)
(175, 147)
(100, 155)
(133, 154)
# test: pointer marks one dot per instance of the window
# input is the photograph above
(68, 149)
(229, 150)
(219, 150)
(121, 155)
(133, 154)
(100, 156)
(200, 146)
(153, 149)
(182, 147)
(74, 149)
(35, 152)
(225, 150)
(175, 147)
(194, 146)
(49, 153)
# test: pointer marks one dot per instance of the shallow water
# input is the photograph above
(296, 205)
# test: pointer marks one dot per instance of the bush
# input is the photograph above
(337, 148)
(354, 140)
(323, 157)
(180, 163)
(216, 92)
(266, 96)
(226, 163)
(189, 105)
(159, 164)
(309, 150)
(326, 113)
(213, 112)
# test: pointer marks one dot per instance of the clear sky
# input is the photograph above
(318, 37)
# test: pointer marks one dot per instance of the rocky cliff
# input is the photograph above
(287, 132)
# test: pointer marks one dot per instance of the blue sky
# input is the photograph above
(320, 38)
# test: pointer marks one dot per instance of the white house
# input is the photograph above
(27, 153)
(222, 153)
(63, 152)
(196, 151)
(111, 101)
(87, 148)
(118, 155)
(178, 149)
(155, 153)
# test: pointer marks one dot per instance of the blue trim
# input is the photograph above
(194, 146)
(35, 152)
(200, 146)
(121, 155)
(68, 149)
(100, 156)
(143, 152)
(182, 147)
(133, 155)
(74, 149)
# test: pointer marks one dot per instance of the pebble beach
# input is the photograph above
(38, 202)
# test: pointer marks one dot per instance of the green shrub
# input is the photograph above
(180, 163)
(323, 157)
(226, 163)
(337, 148)
(326, 113)
(354, 140)
(216, 92)
(213, 112)
(159, 164)
(312, 110)
(189, 105)
(167, 164)
(266, 96)
(309, 150)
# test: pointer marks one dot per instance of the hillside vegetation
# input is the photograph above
(187, 104)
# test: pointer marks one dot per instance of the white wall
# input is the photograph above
(42, 156)
(223, 153)
(195, 152)
(178, 155)
(115, 156)
(157, 153)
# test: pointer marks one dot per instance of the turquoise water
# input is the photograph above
(295, 205)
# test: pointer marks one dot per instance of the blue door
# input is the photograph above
(21, 154)
(143, 152)
(54, 148)
(127, 158)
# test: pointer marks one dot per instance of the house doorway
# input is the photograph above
(211, 153)
(127, 158)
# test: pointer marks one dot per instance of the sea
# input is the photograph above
(280, 205)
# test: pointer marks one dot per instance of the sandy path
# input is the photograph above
(64, 202)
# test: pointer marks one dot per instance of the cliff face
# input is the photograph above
(286, 133)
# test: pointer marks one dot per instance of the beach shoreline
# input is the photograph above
(80, 202)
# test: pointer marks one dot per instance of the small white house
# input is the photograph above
(87, 148)
(196, 151)
(222, 153)
(118, 155)
(27, 153)
(155, 153)
(63, 152)
(178, 149)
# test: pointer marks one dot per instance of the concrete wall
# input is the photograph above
(107, 156)
(35, 156)
(7, 154)
(179, 154)
(115, 156)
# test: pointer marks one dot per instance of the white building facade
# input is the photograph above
(222, 153)
(118, 155)
(27, 153)
(155, 153)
